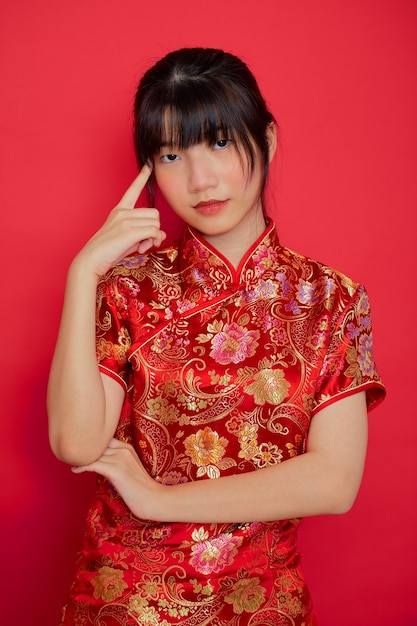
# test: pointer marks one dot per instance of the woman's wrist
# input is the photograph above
(83, 267)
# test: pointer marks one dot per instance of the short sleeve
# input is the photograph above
(349, 364)
(112, 330)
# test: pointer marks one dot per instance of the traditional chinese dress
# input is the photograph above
(223, 371)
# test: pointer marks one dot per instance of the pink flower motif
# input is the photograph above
(234, 344)
(213, 555)
(265, 257)
(130, 285)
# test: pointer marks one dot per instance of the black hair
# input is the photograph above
(196, 95)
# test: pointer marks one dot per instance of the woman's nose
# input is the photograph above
(201, 173)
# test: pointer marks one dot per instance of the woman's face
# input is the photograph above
(211, 187)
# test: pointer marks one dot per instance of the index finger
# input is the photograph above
(129, 198)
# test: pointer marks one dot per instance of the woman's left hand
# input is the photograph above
(120, 464)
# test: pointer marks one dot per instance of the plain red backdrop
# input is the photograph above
(341, 80)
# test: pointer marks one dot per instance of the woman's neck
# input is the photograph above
(233, 244)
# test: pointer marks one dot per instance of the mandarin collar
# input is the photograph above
(204, 266)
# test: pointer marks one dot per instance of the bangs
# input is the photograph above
(184, 114)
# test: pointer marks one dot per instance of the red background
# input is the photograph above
(341, 79)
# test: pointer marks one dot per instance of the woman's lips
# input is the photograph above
(210, 207)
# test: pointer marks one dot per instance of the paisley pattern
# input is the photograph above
(223, 371)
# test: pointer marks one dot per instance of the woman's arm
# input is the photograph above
(324, 480)
(83, 405)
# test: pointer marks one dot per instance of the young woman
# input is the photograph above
(218, 386)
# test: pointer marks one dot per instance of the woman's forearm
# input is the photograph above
(301, 486)
(76, 398)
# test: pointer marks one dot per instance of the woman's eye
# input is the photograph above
(169, 158)
(221, 143)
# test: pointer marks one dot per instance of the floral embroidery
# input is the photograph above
(247, 595)
(234, 344)
(133, 261)
(317, 339)
(148, 615)
(212, 555)
(353, 331)
(268, 454)
(206, 590)
(162, 343)
(265, 258)
(119, 353)
(365, 356)
(332, 367)
(104, 349)
(266, 288)
(269, 385)
(316, 291)
(206, 449)
(278, 334)
(157, 534)
(248, 439)
(160, 408)
(291, 604)
(137, 603)
(130, 285)
(108, 584)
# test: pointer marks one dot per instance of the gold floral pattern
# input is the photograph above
(223, 371)
(206, 450)
(269, 386)
(247, 595)
(108, 584)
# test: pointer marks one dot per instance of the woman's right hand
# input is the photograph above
(126, 230)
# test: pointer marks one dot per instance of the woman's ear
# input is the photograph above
(271, 137)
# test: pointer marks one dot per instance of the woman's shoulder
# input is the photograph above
(310, 277)
(314, 265)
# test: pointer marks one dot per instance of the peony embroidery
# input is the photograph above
(234, 344)
(268, 386)
(108, 584)
(205, 447)
(212, 555)
(247, 595)
(265, 258)
(206, 450)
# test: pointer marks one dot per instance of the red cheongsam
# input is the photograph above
(223, 371)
